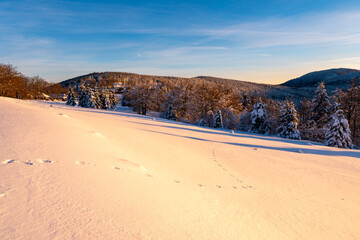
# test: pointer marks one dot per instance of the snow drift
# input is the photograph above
(74, 173)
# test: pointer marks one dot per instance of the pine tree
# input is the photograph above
(320, 106)
(83, 96)
(70, 97)
(112, 99)
(338, 132)
(97, 97)
(259, 123)
(288, 121)
(105, 99)
(218, 123)
(93, 98)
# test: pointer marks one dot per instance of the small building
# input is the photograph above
(43, 96)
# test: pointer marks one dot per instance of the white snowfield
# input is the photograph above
(75, 173)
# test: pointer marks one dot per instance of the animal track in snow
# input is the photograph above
(228, 172)
(116, 168)
(8, 161)
(127, 162)
(84, 163)
(28, 162)
(138, 166)
(43, 160)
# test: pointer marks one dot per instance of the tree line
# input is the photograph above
(331, 120)
(16, 85)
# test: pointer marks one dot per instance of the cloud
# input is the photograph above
(325, 28)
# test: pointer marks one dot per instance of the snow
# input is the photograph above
(98, 174)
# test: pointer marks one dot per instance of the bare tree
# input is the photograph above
(142, 97)
(12, 82)
(350, 102)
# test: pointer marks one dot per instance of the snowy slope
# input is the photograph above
(73, 173)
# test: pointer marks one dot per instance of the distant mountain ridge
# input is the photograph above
(333, 78)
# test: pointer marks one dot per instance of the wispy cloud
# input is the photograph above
(328, 28)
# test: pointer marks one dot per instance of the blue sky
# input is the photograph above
(259, 41)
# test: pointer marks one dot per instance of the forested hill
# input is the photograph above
(276, 92)
(333, 78)
(296, 89)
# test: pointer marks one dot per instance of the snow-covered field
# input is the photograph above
(74, 173)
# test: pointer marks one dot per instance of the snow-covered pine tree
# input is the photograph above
(83, 95)
(112, 99)
(102, 97)
(337, 130)
(97, 97)
(93, 98)
(105, 99)
(70, 97)
(320, 106)
(218, 123)
(289, 120)
(259, 123)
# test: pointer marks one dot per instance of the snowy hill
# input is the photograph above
(77, 173)
(333, 78)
